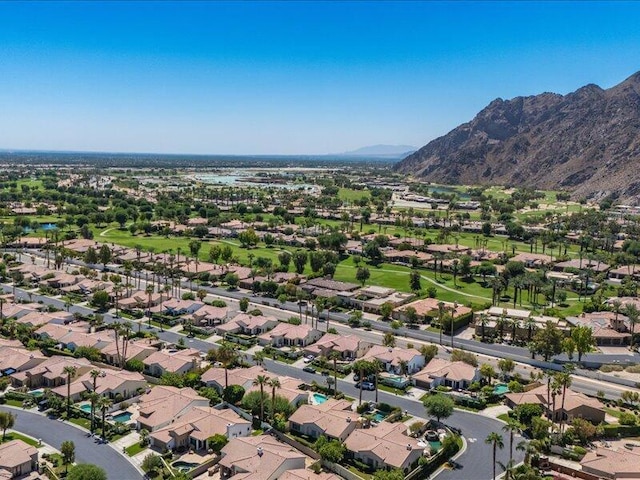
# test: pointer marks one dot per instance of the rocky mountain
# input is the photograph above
(587, 141)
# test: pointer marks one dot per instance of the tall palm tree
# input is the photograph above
(335, 356)
(453, 315)
(94, 374)
(630, 310)
(362, 367)
(376, 367)
(70, 371)
(103, 405)
(484, 320)
(564, 378)
(495, 439)
(512, 427)
(274, 383)
(149, 291)
(440, 319)
(261, 381)
(228, 356)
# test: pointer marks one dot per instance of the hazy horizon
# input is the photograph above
(288, 78)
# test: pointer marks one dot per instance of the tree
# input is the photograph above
(86, 471)
(233, 394)
(261, 381)
(300, 261)
(362, 275)
(244, 304)
(439, 406)
(100, 299)
(395, 474)
(495, 439)
(386, 309)
(151, 463)
(7, 420)
(68, 451)
(284, 258)
(274, 383)
(103, 405)
(564, 380)
(70, 371)
(547, 341)
(248, 238)
(582, 337)
(330, 451)
(214, 253)
(428, 352)
(90, 256)
(583, 430)
(633, 314)
(569, 347)
(526, 412)
(217, 442)
(334, 356)
(488, 372)
(512, 427)
(364, 368)
(411, 316)
(105, 254)
(389, 339)
(506, 366)
(414, 281)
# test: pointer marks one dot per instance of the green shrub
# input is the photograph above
(627, 418)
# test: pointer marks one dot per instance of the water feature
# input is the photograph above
(183, 466)
(319, 398)
(123, 417)
(39, 392)
(380, 416)
(500, 389)
(86, 407)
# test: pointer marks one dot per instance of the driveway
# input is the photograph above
(54, 432)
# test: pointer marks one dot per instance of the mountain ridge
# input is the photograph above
(587, 141)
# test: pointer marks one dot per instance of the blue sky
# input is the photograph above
(289, 77)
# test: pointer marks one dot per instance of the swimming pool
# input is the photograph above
(379, 416)
(85, 407)
(183, 466)
(319, 398)
(500, 389)
(123, 417)
(37, 393)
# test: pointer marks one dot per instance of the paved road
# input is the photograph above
(54, 432)
(475, 428)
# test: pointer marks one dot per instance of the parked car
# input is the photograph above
(309, 369)
(366, 386)
(309, 359)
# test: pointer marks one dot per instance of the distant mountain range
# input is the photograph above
(387, 151)
(587, 141)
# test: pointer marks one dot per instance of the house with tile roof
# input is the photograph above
(163, 405)
(386, 445)
(457, 375)
(334, 419)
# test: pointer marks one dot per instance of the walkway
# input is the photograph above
(54, 432)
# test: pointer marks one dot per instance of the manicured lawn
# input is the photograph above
(135, 449)
(504, 417)
(612, 411)
(349, 194)
(13, 403)
(18, 436)
(83, 422)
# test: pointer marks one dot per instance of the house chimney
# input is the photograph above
(348, 419)
(259, 451)
(408, 446)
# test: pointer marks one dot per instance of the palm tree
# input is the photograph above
(630, 310)
(440, 318)
(103, 405)
(453, 314)
(259, 357)
(149, 292)
(376, 367)
(564, 378)
(261, 381)
(70, 371)
(274, 383)
(362, 367)
(512, 427)
(484, 320)
(227, 355)
(496, 440)
(335, 356)
(94, 374)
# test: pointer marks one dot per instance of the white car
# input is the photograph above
(308, 359)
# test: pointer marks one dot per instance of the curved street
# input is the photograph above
(54, 432)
